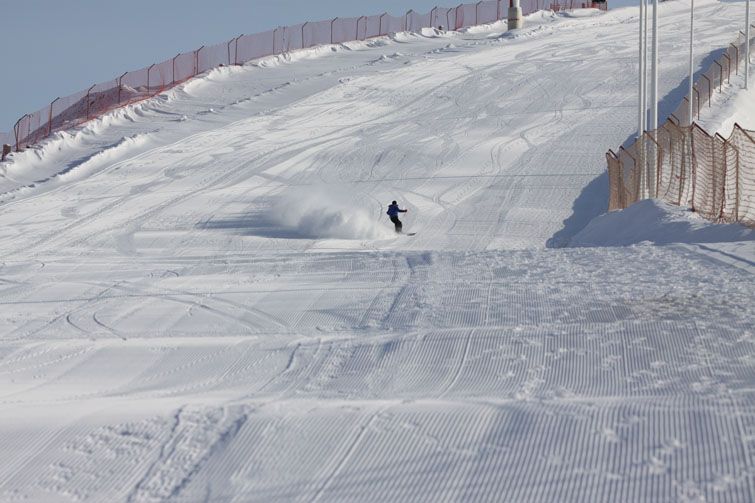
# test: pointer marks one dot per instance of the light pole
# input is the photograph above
(641, 93)
(654, 71)
(691, 62)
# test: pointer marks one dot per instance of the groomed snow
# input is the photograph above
(202, 298)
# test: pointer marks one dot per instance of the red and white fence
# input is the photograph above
(70, 111)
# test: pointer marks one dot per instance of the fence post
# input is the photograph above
(653, 192)
(49, 119)
(236, 49)
(302, 33)
(89, 91)
(196, 61)
(697, 93)
(721, 76)
(228, 47)
(331, 29)
(460, 6)
(275, 34)
(736, 185)
(406, 20)
(173, 77)
(148, 72)
(119, 87)
(17, 131)
(365, 27)
(736, 52)
(477, 13)
(709, 89)
(380, 27)
(432, 16)
(728, 67)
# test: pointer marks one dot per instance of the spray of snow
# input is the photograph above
(320, 212)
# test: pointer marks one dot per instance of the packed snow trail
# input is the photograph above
(202, 298)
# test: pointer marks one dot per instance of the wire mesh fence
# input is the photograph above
(682, 164)
(134, 86)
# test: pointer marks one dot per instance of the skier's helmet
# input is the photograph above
(394, 202)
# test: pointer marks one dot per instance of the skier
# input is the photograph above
(393, 211)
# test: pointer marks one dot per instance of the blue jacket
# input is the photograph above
(393, 210)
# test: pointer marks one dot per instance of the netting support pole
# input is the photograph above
(365, 27)
(17, 131)
(709, 88)
(236, 49)
(302, 34)
(477, 13)
(697, 94)
(173, 76)
(654, 168)
(406, 19)
(49, 119)
(149, 70)
(119, 87)
(736, 187)
(721, 75)
(380, 27)
(196, 61)
(736, 55)
(331, 29)
(87, 98)
(728, 67)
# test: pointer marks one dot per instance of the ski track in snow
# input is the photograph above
(166, 334)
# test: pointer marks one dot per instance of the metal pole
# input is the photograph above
(654, 72)
(645, 59)
(691, 54)
(120, 86)
(148, 72)
(641, 100)
(747, 45)
(49, 120)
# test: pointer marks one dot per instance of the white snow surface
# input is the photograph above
(202, 298)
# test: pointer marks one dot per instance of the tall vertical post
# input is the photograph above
(691, 61)
(149, 70)
(654, 72)
(120, 86)
(331, 29)
(747, 45)
(645, 59)
(49, 119)
(88, 103)
(641, 82)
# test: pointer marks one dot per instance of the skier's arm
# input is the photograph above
(403, 211)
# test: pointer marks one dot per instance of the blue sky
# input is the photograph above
(53, 48)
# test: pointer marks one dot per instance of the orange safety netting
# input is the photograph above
(137, 85)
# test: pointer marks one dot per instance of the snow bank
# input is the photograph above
(657, 222)
(321, 212)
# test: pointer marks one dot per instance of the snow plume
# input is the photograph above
(318, 212)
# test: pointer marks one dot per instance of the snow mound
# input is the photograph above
(657, 222)
(317, 213)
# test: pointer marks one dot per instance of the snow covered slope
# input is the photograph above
(202, 299)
